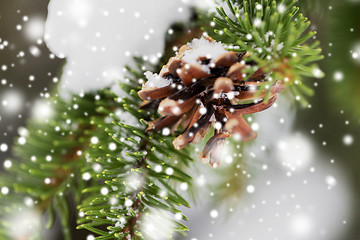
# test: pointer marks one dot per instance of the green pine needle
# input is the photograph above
(275, 35)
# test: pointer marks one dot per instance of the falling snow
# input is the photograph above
(291, 184)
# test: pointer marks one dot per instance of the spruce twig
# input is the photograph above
(133, 176)
(45, 168)
(275, 36)
(138, 173)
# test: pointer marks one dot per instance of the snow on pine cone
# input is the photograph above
(203, 86)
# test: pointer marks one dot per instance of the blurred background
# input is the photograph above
(302, 174)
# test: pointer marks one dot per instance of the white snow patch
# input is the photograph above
(99, 37)
(203, 48)
(154, 80)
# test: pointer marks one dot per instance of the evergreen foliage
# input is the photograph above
(47, 168)
(275, 34)
(86, 154)
(140, 172)
(94, 151)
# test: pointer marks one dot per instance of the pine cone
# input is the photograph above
(203, 85)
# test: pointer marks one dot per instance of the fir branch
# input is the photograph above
(133, 175)
(45, 170)
(139, 174)
(274, 34)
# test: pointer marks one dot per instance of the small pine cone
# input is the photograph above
(203, 86)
